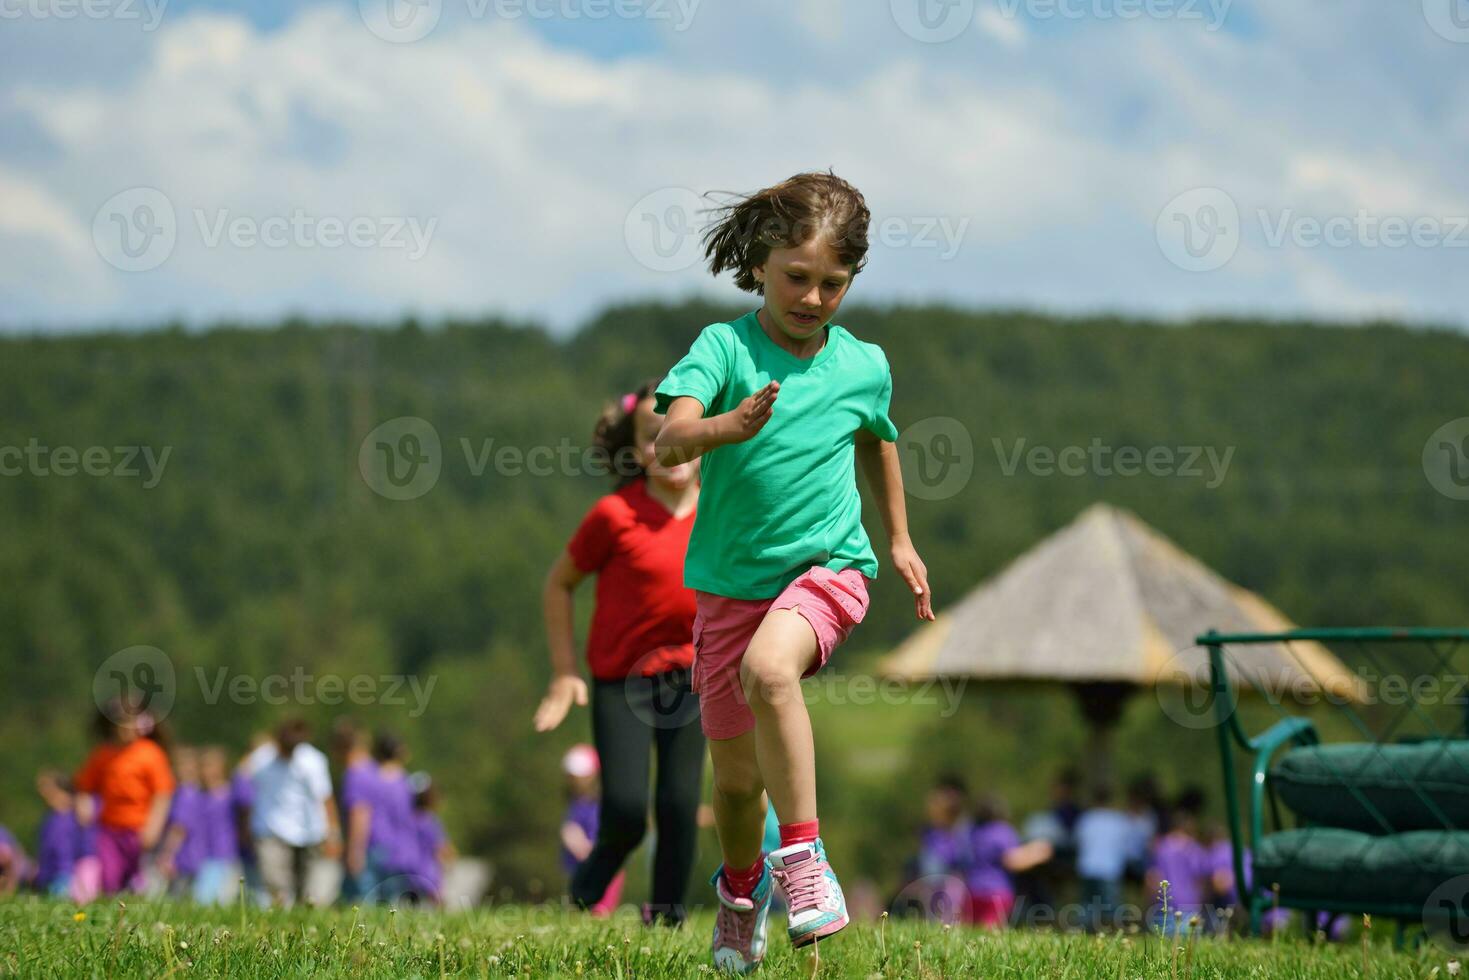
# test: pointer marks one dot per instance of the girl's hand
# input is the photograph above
(749, 416)
(566, 690)
(915, 573)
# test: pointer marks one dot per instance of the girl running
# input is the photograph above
(640, 650)
(781, 403)
(134, 784)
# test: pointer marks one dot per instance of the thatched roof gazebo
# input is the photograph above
(1108, 606)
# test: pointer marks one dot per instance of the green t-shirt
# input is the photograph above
(774, 506)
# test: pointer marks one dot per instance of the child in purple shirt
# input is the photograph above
(356, 797)
(938, 890)
(183, 842)
(392, 848)
(218, 833)
(433, 844)
(1180, 859)
(63, 839)
(13, 864)
(995, 853)
(242, 802)
(583, 768)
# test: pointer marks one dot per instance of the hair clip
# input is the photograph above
(629, 402)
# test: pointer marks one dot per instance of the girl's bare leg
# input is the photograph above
(782, 649)
(739, 799)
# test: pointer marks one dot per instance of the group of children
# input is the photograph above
(142, 814)
(1099, 849)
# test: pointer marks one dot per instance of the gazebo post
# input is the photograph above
(1102, 704)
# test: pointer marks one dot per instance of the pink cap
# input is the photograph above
(581, 760)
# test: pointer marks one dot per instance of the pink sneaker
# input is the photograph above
(740, 926)
(817, 907)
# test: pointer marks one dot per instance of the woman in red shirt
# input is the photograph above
(640, 651)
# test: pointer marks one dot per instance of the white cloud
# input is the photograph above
(1054, 152)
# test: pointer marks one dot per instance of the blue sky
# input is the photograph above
(210, 159)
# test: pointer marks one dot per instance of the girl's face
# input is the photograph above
(943, 808)
(186, 765)
(214, 769)
(646, 425)
(804, 286)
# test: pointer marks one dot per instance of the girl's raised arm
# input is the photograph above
(687, 434)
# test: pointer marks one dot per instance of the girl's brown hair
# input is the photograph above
(613, 440)
(785, 216)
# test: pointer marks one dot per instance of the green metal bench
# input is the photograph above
(1381, 821)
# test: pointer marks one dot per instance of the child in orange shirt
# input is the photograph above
(130, 775)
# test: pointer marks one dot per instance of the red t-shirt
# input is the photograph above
(644, 621)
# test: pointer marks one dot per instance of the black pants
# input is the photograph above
(631, 718)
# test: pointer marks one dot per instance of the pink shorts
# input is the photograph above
(832, 602)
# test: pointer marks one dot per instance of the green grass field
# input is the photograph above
(48, 939)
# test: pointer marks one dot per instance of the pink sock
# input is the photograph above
(804, 832)
(741, 883)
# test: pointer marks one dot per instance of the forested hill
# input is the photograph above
(203, 493)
